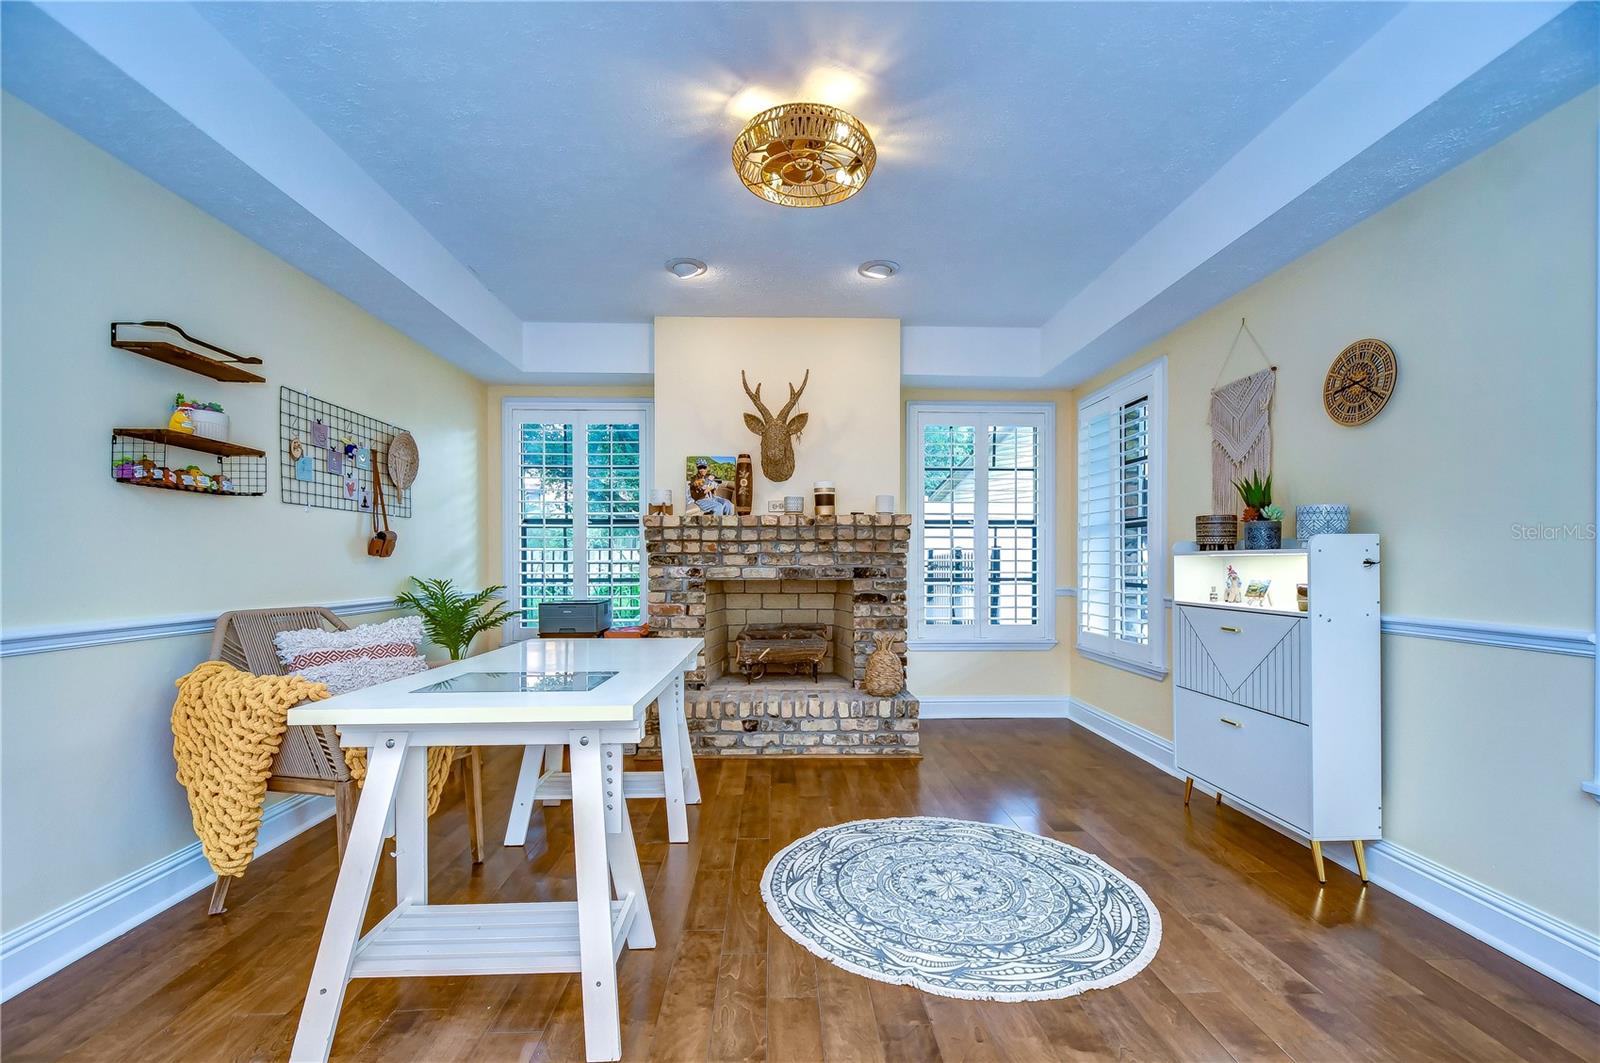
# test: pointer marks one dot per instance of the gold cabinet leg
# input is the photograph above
(1316, 855)
(1361, 860)
(1188, 788)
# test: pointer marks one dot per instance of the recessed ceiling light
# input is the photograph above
(685, 268)
(879, 269)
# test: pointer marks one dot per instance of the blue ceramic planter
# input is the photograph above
(1262, 534)
(1326, 518)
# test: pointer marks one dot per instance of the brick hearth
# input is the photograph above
(710, 575)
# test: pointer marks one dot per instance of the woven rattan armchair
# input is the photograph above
(310, 761)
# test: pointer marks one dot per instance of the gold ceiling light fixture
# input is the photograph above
(804, 155)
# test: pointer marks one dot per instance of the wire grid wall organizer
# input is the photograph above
(298, 416)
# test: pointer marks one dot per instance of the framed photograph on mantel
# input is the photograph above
(709, 483)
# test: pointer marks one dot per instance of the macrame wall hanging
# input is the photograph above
(1241, 427)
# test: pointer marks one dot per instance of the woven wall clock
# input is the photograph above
(1359, 382)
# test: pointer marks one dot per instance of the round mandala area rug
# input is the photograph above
(961, 909)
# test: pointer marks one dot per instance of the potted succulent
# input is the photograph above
(1263, 521)
(454, 618)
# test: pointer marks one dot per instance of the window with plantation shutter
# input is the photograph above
(980, 481)
(577, 484)
(1121, 522)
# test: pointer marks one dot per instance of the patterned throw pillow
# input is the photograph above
(359, 657)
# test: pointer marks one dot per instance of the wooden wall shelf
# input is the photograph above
(225, 368)
(190, 490)
(188, 441)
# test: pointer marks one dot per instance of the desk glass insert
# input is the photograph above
(517, 683)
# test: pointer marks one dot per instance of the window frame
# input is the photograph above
(983, 635)
(517, 410)
(1149, 659)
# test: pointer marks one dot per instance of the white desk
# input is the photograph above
(541, 779)
(397, 722)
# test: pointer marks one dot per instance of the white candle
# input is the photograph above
(886, 503)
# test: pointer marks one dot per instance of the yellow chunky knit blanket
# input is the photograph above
(227, 726)
(439, 761)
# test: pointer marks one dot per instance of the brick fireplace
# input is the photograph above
(711, 576)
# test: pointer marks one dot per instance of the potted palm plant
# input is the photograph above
(1263, 521)
(451, 617)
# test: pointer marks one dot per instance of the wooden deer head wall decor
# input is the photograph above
(776, 432)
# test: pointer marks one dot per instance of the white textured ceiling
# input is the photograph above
(1062, 182)
(564, 152)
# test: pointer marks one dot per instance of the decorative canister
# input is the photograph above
(1216, 531)
(1262, 534)
(886, 503)
(211, 424)
(661, 500)
(1325, 518)
(744, 486)
(822, 498)
(794, 504)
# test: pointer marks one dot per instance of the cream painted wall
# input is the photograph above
(1030, 673)
(851, 437)
(1484, 283)
(944, 674)
(88, 788)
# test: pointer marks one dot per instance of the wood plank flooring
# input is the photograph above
(1255, 963)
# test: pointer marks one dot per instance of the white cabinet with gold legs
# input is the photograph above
(1280, 708)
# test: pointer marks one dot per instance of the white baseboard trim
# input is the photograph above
(35, 950)
(1146, 745)
(993, 708)
(1555, 948)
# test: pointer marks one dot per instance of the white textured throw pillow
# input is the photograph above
(359, 657)
(362, 672)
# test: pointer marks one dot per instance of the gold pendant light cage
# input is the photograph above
(804, 155)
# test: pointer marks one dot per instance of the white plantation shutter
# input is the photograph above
(1097, 505)
(979, 480)
(1121, 542)
(576, 494)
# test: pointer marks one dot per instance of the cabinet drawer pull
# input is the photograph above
(1231, 630)
(1230, 723)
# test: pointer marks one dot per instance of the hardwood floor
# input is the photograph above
(1255, 963)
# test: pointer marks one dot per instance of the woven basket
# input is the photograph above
(886, 676)
(1216, 531)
